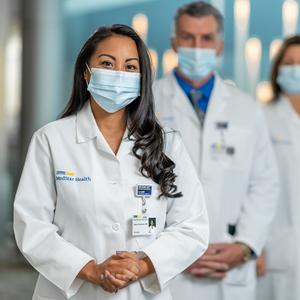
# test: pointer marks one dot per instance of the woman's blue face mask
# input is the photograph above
(289, 79)
(113, 90)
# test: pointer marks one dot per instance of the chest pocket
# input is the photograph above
(239, 145)
(241, 275)
(279, 141)
(74, 191)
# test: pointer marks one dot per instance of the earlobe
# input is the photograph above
(86, 75)
(174, 44)
(221, 48)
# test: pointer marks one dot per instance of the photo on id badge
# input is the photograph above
(152, 225)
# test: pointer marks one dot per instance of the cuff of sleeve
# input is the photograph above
(149, 283)
(255, 251)
(73, 284)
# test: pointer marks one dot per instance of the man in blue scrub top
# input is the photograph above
(199, 97)
(226, 136)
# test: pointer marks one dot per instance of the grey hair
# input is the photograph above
(199, 9)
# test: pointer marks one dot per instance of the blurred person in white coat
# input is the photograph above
(279, 267)
(226, 136)
(94, 179)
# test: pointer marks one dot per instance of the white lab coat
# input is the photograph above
(60, 225)
(283, 246)
(240, 189)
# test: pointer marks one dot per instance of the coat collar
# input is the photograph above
(217, 102)
(286, 110)
(219, 98)
(87, 129)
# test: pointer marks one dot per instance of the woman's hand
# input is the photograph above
(114, 273)
(145, 265)
(96, 274)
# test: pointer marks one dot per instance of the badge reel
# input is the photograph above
(142, 224)
(220, 151)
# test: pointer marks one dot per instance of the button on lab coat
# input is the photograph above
(283, 246)
(75, 201)
(240, 186)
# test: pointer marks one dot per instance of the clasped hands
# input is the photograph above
(117, 272)
(218, 259)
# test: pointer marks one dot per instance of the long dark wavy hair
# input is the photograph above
(148, 136)
(291, 41)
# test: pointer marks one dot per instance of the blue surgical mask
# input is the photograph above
(196, 63)
(289, 79)
(113, 90)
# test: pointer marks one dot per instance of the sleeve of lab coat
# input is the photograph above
(37, 237)
(185, 237)
(263, 190)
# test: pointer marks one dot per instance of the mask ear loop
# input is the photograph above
(87, 83)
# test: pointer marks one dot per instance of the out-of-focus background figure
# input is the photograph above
(39, 41)
(225, 133)
(279, 266)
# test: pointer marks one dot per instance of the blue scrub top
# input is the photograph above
(205, 89)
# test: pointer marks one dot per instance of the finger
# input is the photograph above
(118, 266)
(107, 283)
(217, 275)
(116, 282)
(219, 257)
(108, 286)
(130, 265)
(126, 254)
(130, 275)
(208, 273)
(207, 257)
(211, 250)
(219, 246)
(201, 272)
(126, 277)
(260, 270)
(216, 266)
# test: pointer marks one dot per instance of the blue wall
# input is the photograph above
(265, 23)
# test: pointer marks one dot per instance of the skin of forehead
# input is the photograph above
(117, 46)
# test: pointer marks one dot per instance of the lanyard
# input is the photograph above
(143, 191)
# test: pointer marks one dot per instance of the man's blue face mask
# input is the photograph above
(196, 63)
(113, 90)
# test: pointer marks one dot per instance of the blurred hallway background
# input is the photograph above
(39, 41)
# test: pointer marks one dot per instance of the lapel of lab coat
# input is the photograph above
(182, 107)
(187, 122)
(216, 106)
(215, 113)
(87, 129)
(212, 174)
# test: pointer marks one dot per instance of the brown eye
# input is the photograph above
(287, 63)
(186, 37)
(131, 68)
(208, 38)
(106, 64)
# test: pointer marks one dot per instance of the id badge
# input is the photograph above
(143, 225)
(143, 190)
(218, 151)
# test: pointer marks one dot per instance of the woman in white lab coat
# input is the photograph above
(94, 179)
(279, 268)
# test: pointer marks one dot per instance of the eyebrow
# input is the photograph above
(191, 33)
(112, 57)
(134, 58)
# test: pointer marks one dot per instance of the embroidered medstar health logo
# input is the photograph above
(70, 176)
